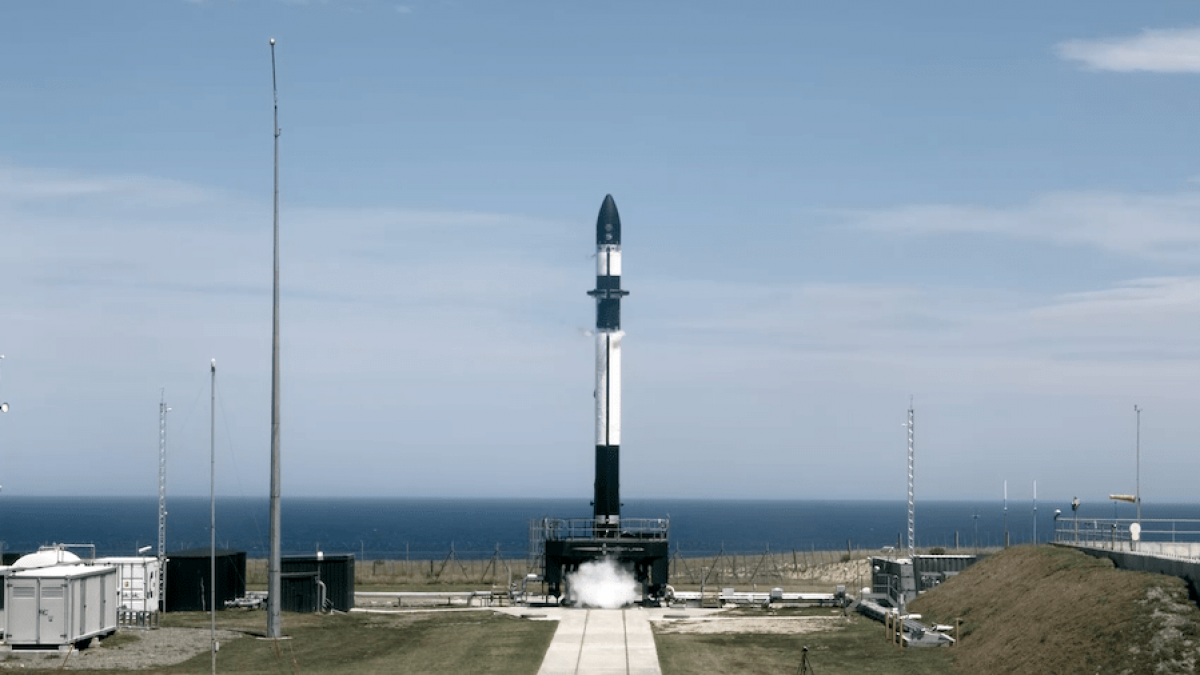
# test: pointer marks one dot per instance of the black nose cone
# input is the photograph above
(608, 223)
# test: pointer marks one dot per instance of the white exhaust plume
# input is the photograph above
(602, 584)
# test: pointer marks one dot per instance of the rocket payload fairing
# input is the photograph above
(608, 294)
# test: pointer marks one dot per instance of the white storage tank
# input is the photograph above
(138, 578)
(45, 557)
(59, 605)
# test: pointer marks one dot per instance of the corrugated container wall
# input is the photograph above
(188, 579)
(335, 571)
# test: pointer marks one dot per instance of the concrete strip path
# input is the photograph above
(601, 642)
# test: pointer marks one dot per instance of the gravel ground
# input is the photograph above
(152, 648)
(787, 625)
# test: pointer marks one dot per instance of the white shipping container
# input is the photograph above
(60, 605)
(138, 578)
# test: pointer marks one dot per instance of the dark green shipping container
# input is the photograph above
(335, 571)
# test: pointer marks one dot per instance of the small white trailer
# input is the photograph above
(138, 576)
(61, 605)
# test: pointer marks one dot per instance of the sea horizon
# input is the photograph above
(416, 527)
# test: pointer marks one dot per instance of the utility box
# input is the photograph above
(60, 605)
(333, 572)
(189, 581)
(138, 578)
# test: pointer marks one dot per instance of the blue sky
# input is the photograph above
(827, 209)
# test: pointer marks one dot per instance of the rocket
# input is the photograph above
(608, 294)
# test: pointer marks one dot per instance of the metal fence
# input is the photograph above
(1177, 537)
(542, 530)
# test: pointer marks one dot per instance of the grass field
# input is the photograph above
(1027, 609)
(448, 643)
(853, 644)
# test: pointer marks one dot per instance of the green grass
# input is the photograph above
(449, 643)
(118, 640)
(458, 642)
(858, 646)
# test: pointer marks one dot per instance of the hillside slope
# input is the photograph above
(1049, 610)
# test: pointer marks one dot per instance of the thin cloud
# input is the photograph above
(28, 185)
(1156, 227)
(1127, 322)
(1153, 51)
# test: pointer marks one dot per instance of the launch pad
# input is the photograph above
(640, 546)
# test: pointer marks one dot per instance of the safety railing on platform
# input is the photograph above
(1166, 536)
(542, 530)
(557, 529)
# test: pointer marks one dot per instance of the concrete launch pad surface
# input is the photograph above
(600, 641)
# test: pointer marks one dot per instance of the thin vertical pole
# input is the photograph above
(212, 517)
(161, 589)
(273, 556)
(911, 504)
(1138, 496)
(1035, 513)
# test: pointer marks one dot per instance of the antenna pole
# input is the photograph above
(1138, 496)
(212, 515)
(1006, 514)
(162, 501)
(912, 545)
(274, 589)
(3, 406)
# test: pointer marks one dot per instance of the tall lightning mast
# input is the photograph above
(912, 546)
(274, 585)
(162, 501)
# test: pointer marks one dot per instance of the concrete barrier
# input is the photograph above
(1188, 570)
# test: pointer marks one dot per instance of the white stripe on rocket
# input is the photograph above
(608, 261)
(602, 388)
(614, 388)
(608, 388)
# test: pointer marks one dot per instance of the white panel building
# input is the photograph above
(138, 582)
(59, 605)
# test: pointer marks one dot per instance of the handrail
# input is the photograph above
(558, 529)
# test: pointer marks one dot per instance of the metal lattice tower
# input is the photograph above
(912, 545)
(162, 499)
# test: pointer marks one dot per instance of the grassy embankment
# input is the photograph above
(1051, 610)
(1038, 610)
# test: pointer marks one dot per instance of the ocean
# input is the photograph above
(393, 528)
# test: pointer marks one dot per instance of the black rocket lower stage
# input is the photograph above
(639, 545)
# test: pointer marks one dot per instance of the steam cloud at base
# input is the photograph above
(602, 584)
